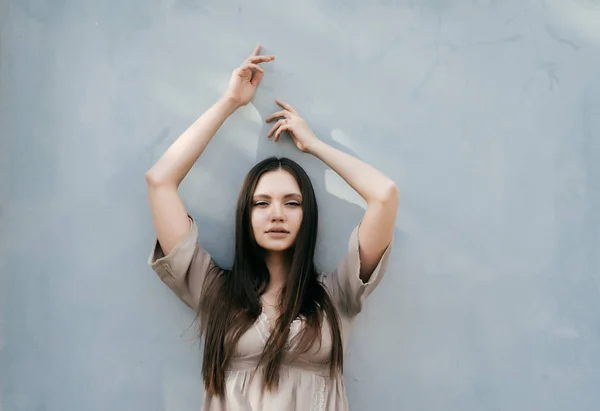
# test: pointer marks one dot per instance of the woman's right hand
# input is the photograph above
(246, 77)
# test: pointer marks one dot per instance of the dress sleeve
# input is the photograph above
(185, 268)
(345, 286)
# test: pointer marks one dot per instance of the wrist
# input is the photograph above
(229, 103)
(316, 147)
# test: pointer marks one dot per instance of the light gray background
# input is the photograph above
(486, 113)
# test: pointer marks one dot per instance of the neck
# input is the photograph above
(278, 265)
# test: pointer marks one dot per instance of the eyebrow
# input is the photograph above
(289, 195)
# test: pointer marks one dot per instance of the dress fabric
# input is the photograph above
(304, 381)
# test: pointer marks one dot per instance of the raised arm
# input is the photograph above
(380, 192)
(169, 216)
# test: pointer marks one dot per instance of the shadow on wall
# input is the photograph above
(211, 188)
(340, 207)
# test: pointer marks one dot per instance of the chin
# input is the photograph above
(276, 247)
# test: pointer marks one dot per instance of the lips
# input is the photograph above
(278, 230)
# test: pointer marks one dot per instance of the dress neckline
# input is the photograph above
(263, 325)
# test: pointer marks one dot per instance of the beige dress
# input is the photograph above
(304, 383)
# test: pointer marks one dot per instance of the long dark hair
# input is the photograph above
(230, 302)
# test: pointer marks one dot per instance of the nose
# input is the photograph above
(277, 213)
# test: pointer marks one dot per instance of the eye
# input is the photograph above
(293, 203)
(260, 203)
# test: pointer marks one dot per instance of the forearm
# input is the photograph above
(177, 161)
(372, 185)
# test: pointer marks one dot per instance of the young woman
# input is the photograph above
(274, 329)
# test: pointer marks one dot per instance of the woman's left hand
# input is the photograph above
(296, 126)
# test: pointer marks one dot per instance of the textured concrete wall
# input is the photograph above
(486, 113)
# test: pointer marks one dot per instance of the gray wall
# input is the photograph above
(486, 113)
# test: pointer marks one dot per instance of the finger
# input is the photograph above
(276, 126)
(251, 66)
(282, 113)
(286, 106)
(256, 50)
(281, 130)
(261, 59)
(257, 78)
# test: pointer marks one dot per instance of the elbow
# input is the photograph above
(154, 180)
(389, 194)
(151, 178)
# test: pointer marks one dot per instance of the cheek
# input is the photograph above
(258, 219)
(253, 220)
(297, 218)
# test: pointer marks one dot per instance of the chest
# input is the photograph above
(252, 343)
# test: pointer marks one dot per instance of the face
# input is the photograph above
(276, 211)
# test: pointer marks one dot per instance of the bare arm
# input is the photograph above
(381, 193)
(169, 216)
(382, 197)
(168, 212)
